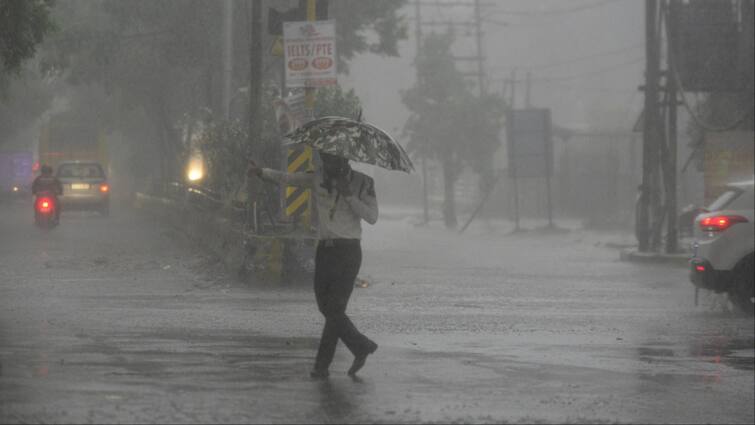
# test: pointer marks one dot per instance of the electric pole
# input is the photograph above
(480, 57)
(510, 153)
(418, 37)
(255, 79)
(671, 96)
(527, 88)
(650, 128)
(227, 53)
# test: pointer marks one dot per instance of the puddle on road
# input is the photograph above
(648, 352)
(736, 353)
(219, 357)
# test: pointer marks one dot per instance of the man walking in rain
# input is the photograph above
(343, 198)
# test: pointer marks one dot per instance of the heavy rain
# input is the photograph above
(393, 211)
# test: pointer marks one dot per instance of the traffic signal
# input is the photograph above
(275, 18)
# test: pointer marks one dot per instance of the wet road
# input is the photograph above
(122, 320)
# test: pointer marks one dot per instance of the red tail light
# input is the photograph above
(45, 205)
(104, 188)
(719, 223)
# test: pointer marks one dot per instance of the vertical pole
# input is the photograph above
(512, 96)
(516, 201)
(512, 161)
(418, 39)
(255, 88)
(671, 207)
(255, 78)
(310, 91)
(480, 58)
(528, 86)
(227, 57)
(649, 134)
(548, 172)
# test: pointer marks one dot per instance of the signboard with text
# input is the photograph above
(291, 112)
(310, 53)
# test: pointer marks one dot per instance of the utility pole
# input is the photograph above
(477, 5)
(255, 89)
(227, 52)
(527, 88)
(512, 95)
(480, 57)
(255, 79)
(310, 92)
(650, 128)
(671, 96)
(513, 173)
(418, 37)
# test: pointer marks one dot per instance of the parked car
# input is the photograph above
(724, 245)
(85, 187)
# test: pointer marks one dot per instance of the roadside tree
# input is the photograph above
(448, 122)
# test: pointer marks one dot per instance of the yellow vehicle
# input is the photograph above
(64, 139)
(78, 152)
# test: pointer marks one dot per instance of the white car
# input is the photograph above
(722, 253)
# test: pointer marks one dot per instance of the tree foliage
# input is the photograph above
(224, 146)
(448, 122)
(23, 25)
(333, 101)
(355, 21)
(165, 56)
(27, 97)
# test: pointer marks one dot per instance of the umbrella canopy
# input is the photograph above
(354, 140)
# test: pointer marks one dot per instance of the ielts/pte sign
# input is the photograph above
(310, 53)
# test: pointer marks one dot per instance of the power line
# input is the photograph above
(488, 20)
(453, 3)
(556, 85)
(475, 24)
(579, 58)
(594, 72)
(592, 56)
(530, 13)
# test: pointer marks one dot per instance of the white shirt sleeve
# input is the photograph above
(364, 202)
(291, 179)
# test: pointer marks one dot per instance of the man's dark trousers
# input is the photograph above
(337, 263)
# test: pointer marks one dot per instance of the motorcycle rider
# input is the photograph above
(47, 183)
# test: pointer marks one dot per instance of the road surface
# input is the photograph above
(122, 319)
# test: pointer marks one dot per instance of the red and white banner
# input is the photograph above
(310, 53)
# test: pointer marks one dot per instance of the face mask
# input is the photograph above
(335, 167)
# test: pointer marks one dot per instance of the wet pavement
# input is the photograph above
(122, 320)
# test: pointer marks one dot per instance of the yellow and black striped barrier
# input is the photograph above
(297, 198)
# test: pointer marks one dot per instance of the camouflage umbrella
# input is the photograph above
(353, 140)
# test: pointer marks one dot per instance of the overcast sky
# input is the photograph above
(584, 55)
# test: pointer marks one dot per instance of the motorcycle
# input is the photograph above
(46, 210)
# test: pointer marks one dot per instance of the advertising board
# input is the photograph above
(310, 53)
